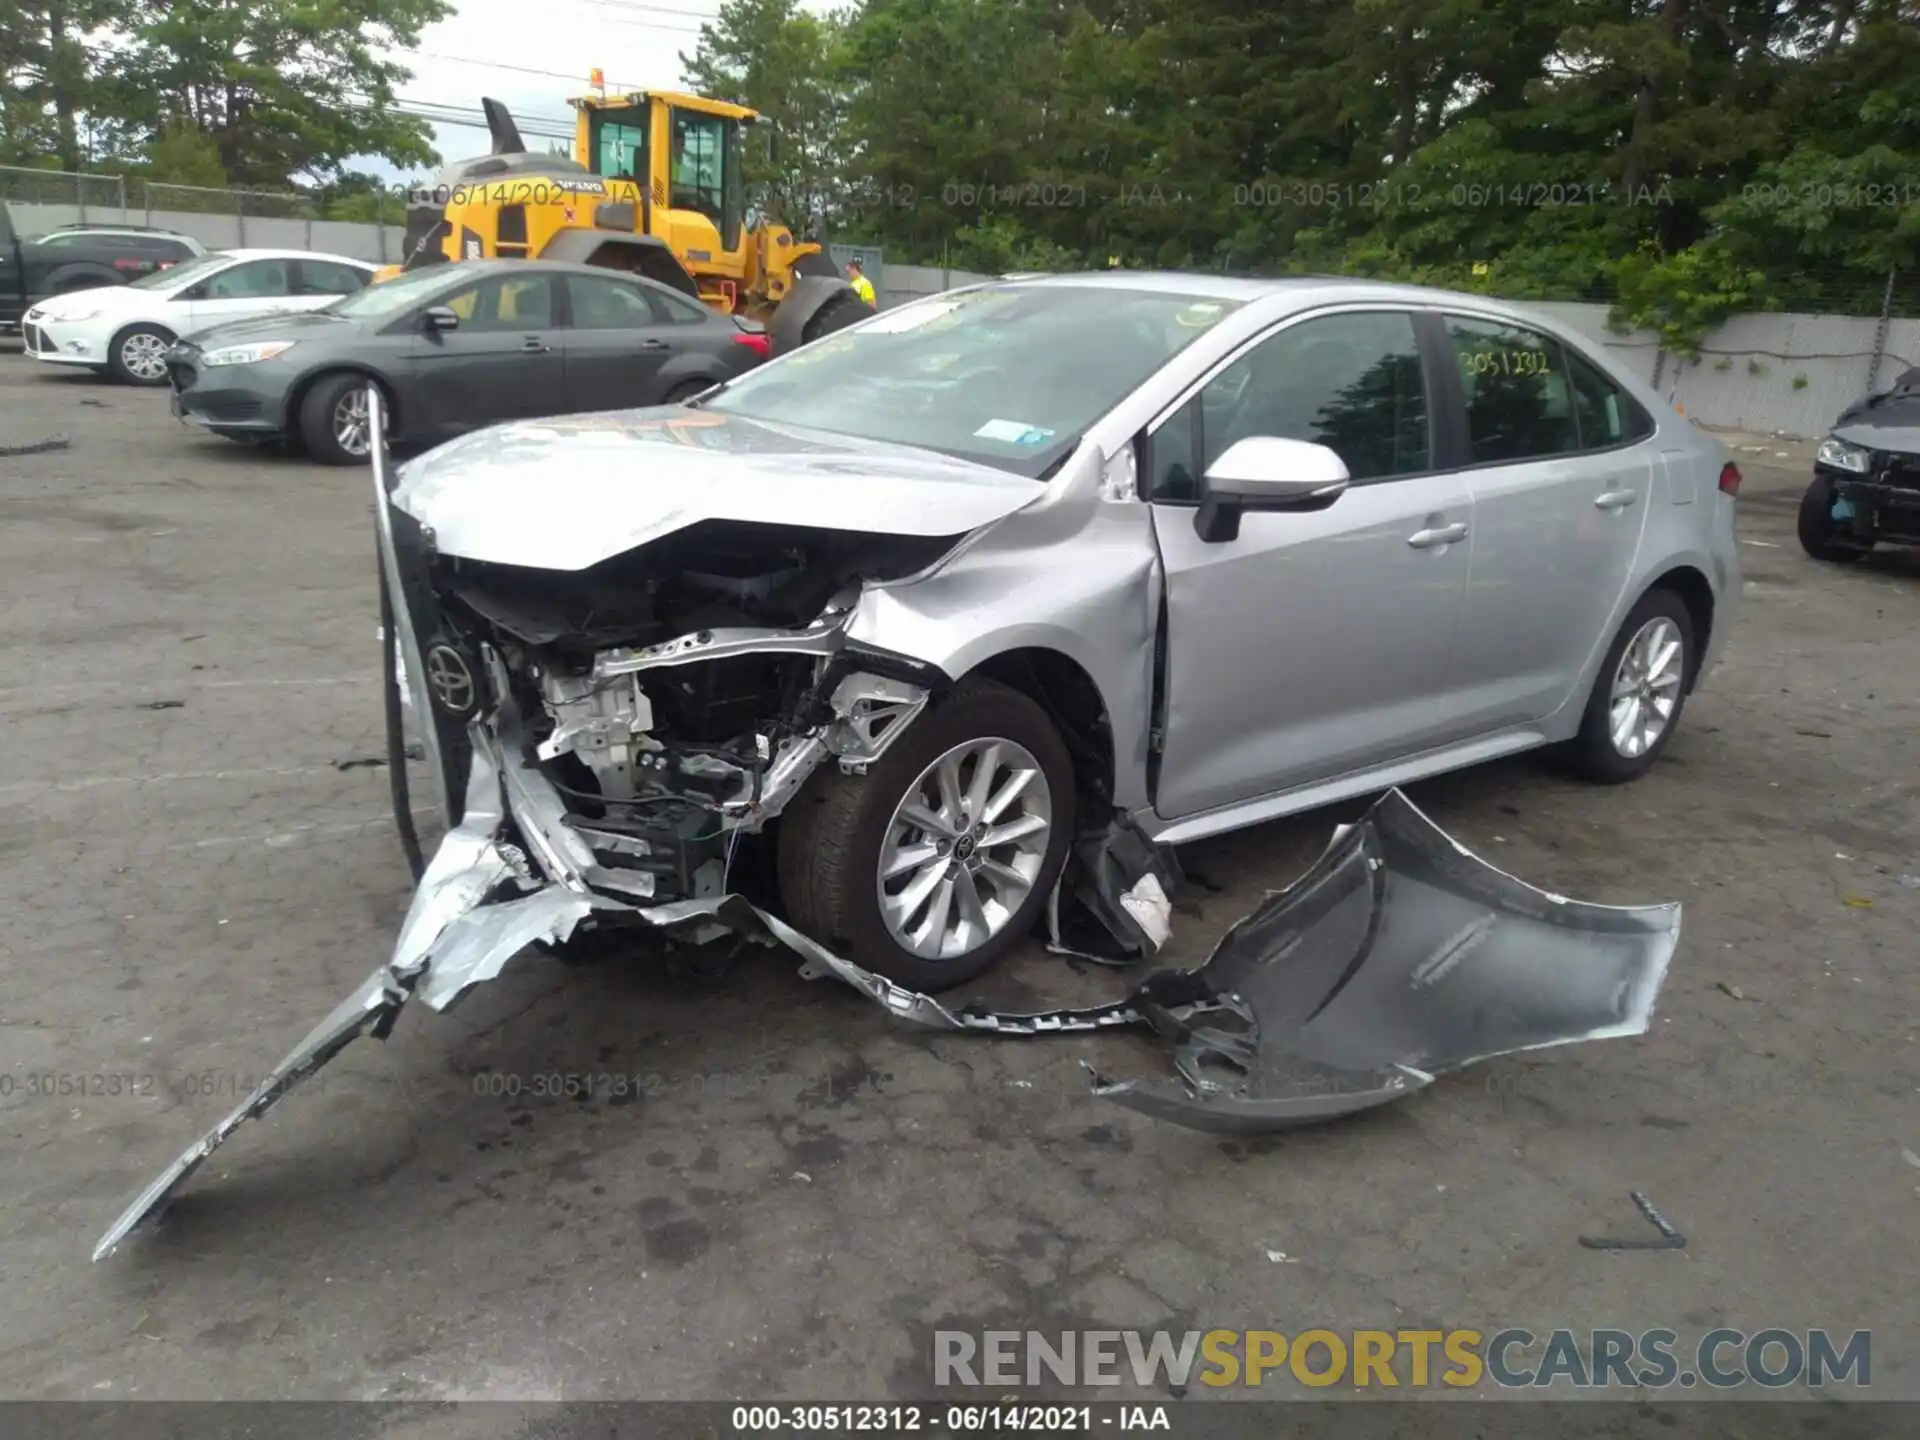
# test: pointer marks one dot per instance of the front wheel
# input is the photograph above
(138, 355)
(336, 426)
(844, 309)
(1639, 693)
(934, 864)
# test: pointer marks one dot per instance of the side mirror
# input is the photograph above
(440, 317)
(1264, 472)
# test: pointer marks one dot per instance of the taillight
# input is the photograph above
(1729, 479)
(759, 344)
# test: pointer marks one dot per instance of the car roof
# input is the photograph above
(1285, 293)
(107, 227)
(255, 254)
(498, 265)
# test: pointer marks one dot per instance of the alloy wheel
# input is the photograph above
(964, 847)
(144, 355)
(352, 424)
(1646, 687)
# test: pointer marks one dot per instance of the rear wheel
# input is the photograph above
(934, 864)
(1637, 698)
(680, 394)
(335, 424)
(1823, 537)
(138, 355)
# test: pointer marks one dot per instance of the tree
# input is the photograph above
(284, 88)
(49, 77)
(774, 58)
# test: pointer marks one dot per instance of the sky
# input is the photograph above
(486, 47)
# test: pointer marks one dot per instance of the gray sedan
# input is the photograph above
(1118, 557)
(456, 347)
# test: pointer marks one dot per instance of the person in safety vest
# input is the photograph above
(862, 286)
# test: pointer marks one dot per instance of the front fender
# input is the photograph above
(1071, 574)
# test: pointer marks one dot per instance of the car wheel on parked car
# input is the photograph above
(1821, 536)
(936, 862)
(138, 355)
(1638, 695)
(335, 424)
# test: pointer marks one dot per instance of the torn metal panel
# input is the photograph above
(370, 1007)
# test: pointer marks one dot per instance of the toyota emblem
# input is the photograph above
(450, 680)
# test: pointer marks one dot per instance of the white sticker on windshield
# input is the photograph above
(910, 317)
(1014, 432)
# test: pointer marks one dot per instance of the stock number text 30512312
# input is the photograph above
(1505, 362)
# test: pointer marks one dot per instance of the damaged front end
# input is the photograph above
(604, 744)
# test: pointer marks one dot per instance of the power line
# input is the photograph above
(520, 69)
(638, 7)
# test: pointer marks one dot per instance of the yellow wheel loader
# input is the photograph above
(655, 186)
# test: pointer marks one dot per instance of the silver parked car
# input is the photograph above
(1178, 552)
(859, 651)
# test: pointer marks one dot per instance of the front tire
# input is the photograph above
(335, 426)
(138, 355)
(1820, 534)
(1639, 693)
(933, 865)
(844, 309)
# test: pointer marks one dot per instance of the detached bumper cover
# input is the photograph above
(1398, 957)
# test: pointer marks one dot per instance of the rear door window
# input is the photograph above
(329, 277)
(607, 304)
(1519, 405)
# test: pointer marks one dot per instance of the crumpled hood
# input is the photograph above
(1888, 421)
(567, 493)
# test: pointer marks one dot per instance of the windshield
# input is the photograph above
(185, 273)
(388, 297)
(1010, 375)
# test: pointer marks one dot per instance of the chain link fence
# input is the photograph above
(131, 200)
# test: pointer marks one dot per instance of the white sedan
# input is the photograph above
(126, 330)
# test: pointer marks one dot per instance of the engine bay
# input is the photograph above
(676, 696)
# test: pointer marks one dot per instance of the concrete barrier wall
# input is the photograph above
(1783, 374)
(377, 243)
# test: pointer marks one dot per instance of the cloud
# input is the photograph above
(486, 47)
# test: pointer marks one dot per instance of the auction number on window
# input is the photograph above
(1506, 362)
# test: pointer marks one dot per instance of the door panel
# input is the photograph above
(615, 344)
(1315, 643)
(1560, 498)
(504, 362)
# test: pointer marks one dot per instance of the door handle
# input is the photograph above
(1444, 535)
(654, 345)
(533, 345)
(1616, 499)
